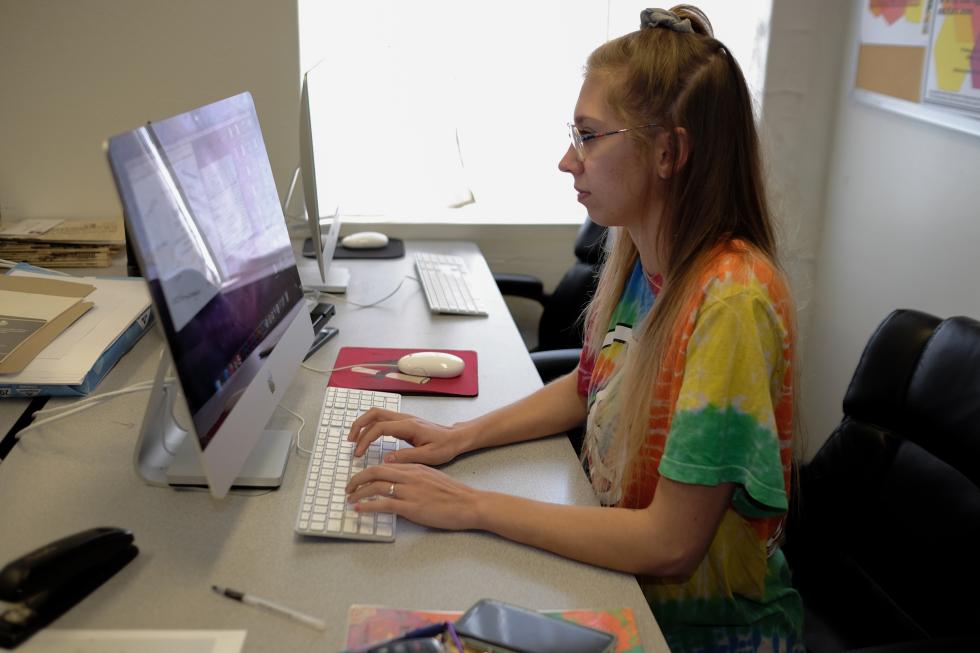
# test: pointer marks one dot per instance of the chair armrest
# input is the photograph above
(553, 363)
(520, 285)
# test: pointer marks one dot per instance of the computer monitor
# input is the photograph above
(332, 278)
(200, 203)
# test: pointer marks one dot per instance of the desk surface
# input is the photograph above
(77, 474)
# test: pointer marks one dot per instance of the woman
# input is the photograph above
(686, 380)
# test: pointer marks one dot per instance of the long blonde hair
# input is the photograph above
(688, 80)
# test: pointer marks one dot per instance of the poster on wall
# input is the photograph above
(954, 71)
(924, 54)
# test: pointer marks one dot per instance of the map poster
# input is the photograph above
(954, 67)
(894, 45)
(922, 51)
(895, 22)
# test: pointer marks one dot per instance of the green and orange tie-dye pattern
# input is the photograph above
(721, 411)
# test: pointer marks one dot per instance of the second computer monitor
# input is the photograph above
(331, 278)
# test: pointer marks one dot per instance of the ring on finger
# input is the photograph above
(391, 491)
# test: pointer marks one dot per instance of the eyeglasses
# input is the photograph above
(579, 139)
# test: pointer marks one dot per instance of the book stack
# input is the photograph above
(63, 243)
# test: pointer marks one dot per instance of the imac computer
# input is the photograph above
(323, 242)
(201, 207)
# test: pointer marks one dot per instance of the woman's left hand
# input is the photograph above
(424, 495)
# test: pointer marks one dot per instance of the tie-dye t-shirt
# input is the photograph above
(721, 412)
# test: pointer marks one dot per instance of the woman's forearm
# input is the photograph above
(554, 408)
(667, 539)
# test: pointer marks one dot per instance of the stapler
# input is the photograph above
(40, 586)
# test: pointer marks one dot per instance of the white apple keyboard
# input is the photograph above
(447, 285)
(323, 510)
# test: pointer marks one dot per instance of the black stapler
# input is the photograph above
(41, 585)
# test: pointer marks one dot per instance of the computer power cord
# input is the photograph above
(60, 412)
(345, 300)
(299, 431)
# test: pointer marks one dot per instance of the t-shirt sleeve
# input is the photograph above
(724, 426)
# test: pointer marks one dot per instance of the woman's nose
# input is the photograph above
(569, 162)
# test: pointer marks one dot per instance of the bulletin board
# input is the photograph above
(921, 58)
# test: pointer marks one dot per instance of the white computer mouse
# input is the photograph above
(365, 240)
(436, 364)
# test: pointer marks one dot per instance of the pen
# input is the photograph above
(248, 599)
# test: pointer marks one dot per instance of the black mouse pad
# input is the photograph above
(394, 249)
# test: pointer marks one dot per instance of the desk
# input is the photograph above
(74, 475)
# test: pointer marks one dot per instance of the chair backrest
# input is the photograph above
(885, 533)
(561, 326)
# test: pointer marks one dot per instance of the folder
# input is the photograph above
(75, 361)
(34, 312)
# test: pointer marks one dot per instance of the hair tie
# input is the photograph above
(664, 18)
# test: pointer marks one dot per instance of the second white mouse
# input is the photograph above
(365, 240)
(435, 364)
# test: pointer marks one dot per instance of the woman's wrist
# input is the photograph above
(482, 510)
(466, 436)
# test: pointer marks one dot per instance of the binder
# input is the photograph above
(76, 361)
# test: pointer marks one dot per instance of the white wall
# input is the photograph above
(799, 104)
(902, 230)
(74, 73)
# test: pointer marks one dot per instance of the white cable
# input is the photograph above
(72, 411)
(302, 423)
(94, 399)
(98, 398)
(345, 367)
(60, 412)
(343, 299)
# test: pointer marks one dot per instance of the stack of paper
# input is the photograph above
(62, 243)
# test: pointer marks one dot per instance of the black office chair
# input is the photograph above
(560, 326)
(883, 536)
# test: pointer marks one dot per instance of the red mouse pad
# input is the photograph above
(377, 369)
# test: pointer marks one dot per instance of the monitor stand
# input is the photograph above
(337, 279)
(166, 456)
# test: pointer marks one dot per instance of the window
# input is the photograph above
(435, 100)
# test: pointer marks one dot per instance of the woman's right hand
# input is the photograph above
(432, 444)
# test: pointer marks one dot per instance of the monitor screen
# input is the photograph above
(201, 207)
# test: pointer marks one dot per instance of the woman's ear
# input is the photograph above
(672, 149)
